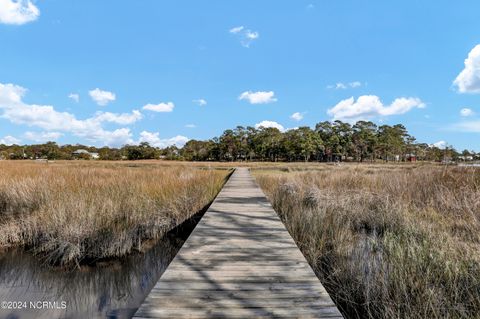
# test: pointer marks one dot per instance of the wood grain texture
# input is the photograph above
(239, 262)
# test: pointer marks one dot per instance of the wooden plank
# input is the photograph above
(239, 262)
(260, 269)
(236, 286)
(229, 303)
(269, 312)
(241, 294)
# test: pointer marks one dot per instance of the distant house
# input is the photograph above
(81, 153)
(94, 155)
(466, 158)
(411, 157)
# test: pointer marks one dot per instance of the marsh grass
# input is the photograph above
(387, 242)
(77, 213)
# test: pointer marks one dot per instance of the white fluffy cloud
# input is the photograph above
(344, 86)
(270, 124)
(47, 118)
(238, 29)
(153, 138)
(101, 97)
(468, 81)
(251, 35)
(11, 94)
(18, 12)
(160, 107)
(74, 96)
(200, 102)
(42, 137)
(123, 118)
(9, 140)
(260, 97)
(297, 116)
(369, 106)
(246, 36)
(465, 112)
(117, 137)
(439, 144)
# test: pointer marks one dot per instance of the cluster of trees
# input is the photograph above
(328, 141)
(53, 151)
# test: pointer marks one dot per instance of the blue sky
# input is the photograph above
(115, 72)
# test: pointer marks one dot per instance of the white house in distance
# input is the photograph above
(81, 153)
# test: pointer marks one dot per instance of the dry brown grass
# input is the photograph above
(77, 212)
(387, 241)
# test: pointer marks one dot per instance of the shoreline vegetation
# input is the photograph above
(334, 141)
(70, 214)
(387, 241)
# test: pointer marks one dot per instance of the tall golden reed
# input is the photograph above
(71, 213)
(387, 242)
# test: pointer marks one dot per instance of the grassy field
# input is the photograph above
(78, 212)
(387, 241)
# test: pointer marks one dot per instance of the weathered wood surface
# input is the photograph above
(239, 262)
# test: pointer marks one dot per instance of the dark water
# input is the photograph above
(112, 290)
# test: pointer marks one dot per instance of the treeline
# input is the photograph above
(53, 151)
(328, 141)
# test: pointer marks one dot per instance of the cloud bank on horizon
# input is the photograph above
(55, 124)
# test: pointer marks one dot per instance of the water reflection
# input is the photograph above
(112, 290)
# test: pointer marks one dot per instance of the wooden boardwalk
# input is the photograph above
(239, 262)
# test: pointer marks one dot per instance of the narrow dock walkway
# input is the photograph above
(239, 262)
